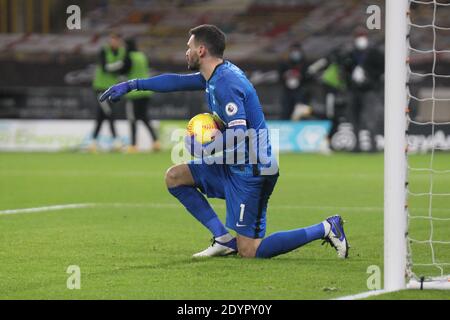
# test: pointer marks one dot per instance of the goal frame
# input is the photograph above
(395, 217)
(395, 154)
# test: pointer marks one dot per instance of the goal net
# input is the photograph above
(417, 145)
(428, 144)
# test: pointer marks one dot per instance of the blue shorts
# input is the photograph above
(246, 196)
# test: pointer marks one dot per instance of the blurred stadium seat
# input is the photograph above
(259, 34)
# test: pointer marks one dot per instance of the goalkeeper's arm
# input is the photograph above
(230, 97)
(229, 144)
(161, 83)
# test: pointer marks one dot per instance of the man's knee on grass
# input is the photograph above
(179, 175)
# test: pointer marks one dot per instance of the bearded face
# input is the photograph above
(192, 57)
(193, 61)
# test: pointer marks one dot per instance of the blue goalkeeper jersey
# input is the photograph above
(233, 99)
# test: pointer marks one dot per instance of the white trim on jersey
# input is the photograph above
(238, 122)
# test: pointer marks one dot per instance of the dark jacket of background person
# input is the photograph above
(292, 75)
(371, 63)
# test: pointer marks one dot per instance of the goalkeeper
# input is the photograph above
(245, 187)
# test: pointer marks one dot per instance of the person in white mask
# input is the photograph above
(365, 69)
(292, 75)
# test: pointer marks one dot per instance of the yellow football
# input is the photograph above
(203, 127)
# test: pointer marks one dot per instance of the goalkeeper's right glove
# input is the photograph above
(115, 92)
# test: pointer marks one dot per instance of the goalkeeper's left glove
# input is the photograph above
(199, 150)
(115, 92)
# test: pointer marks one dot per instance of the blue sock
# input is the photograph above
(197, 205)
(285, 241)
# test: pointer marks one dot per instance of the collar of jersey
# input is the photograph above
(214, 71)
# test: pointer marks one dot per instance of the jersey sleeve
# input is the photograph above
(231, 99)
(172, 82)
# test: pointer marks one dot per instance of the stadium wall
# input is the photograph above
(75, 135)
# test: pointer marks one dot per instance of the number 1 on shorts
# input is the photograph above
(241, 215)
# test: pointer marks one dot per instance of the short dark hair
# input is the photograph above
(211, 37)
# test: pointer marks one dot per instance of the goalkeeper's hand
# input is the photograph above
(115, 92)
(195, 148)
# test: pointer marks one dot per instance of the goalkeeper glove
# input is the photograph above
(115, 92)
(199, 150)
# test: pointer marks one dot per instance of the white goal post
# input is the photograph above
(397, 265)
(395, 220)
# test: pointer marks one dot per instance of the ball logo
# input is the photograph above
(231, 109)
(203, 127)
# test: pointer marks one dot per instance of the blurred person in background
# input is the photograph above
(110, 63)
(292, 74)
(136, 66)
(365, 71)
(329, 73)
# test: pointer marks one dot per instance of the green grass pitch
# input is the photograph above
(135, 241)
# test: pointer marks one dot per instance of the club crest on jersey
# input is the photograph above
(231, 109)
